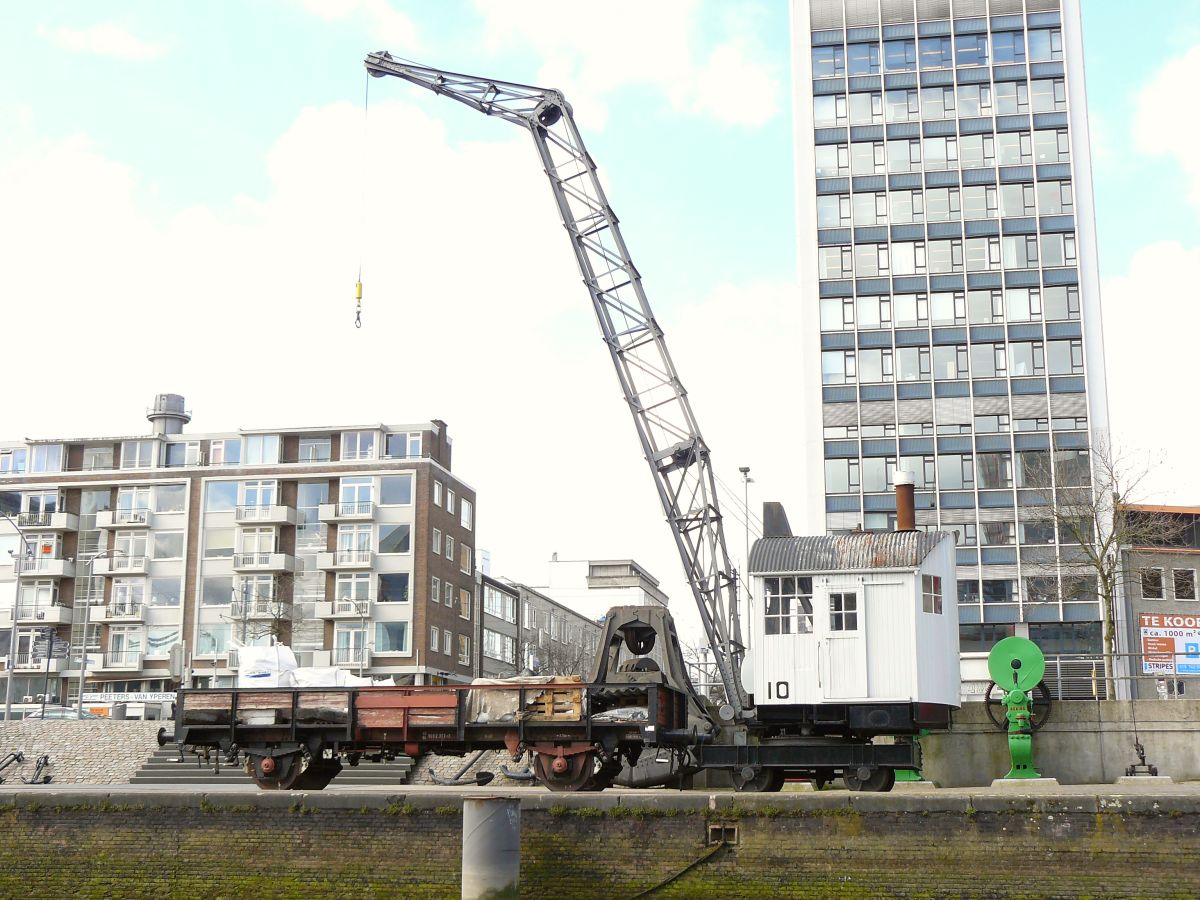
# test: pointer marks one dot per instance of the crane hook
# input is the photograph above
(358, 304)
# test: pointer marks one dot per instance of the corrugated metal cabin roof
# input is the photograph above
(844, 552)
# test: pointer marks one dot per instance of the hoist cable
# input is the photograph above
(362, 204)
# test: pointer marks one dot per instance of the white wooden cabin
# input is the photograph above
(854, 618)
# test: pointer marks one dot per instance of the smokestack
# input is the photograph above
(906, 505)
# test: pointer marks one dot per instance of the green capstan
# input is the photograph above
(1016, 664)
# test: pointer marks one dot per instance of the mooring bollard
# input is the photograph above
(491, 848)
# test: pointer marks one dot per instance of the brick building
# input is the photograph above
(353, 544)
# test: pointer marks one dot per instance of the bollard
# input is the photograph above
(491, 848)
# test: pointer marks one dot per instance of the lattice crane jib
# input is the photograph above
(662, 414)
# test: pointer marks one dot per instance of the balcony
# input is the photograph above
(26, 662)
(351, 656)
(264, 562)
(345, 559)
(120, 611)
(42, 614)
(45, 567)
(122, 660)
(346, 512)
(260, 609)
(48, 521)
(345, 609)
(120, 565)
(124, 518)
(271, 514)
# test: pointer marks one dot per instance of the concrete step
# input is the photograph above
(164, 767)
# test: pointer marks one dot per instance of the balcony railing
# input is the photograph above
(29, 662)
(267, 512)
(35, 519)
(119, 564)
(262, 608)
(352, 557)
(45, 613)
(346, 656)
(53, 566)
(123, 659)
(131, 516)
(125, 609)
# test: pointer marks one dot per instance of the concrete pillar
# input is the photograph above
(491, 848)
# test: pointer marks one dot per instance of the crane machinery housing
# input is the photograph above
(639, 695)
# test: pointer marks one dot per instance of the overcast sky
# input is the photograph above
(186, 195)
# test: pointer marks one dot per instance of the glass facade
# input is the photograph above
(952, 331)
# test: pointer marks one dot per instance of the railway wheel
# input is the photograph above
(276, 773)
(565, 773)
(878, 780)
(758, 781)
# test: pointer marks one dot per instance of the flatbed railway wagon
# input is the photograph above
(299, 738)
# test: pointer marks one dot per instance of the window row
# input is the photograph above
(499, 604)
(1182, 581)
(937, 154)
(943, 257)
(998, 424)
(499, 646)
(939, 52)
(445, 592)
(967, 101)
(1031, 469)
(952, 362)
(983, 307)
(948, 204)
(1036, 589)
(352, 589)
(443, 496)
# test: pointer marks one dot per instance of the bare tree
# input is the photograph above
(702, 670)
(557, 658)
(1094, 521)
(257, 615)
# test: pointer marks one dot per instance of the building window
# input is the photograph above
(393, 587)
(435, 636)
(134, 455)
(832, 160)
(843, 611)
(168, 545)
(788, 605)
(437, 493)
(314, 449)
(829, 111)
(866, 109)
(971, 50)
(352, 589)
(395, 538)
(449, 547)
(902, 106)
(261, 450)
(447, 593)
(974, 100)
(435, 589)
(212, 638)
(1151, 583)
(931, 594)
(500, 605)
(842, 476)
(403, 445)
(1184, 581)
(464, 649)
(833, 211)
(828, 62)
(466, 516)
(900, 56)
(1012, 98)
(217, 590)
(349, 644)
(499, 646)
(183, 453)
(1049, 95)
(358, 445)
(391, 637)
(437, 541)
(165, 592)
(450, 501)
(12, 461)
(464, 603)
(464, 558)
(999, 534)
(395, 490)
(1008, 47)
(1045, 45)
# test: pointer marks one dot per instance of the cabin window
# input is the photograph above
(931, 593)
(789, 605)
(843, 611)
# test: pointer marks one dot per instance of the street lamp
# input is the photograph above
(90, 559)
(12, 634)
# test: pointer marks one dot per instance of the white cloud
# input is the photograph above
(392, 28)
(104, 39)
(1163, 126)
(591, 52)
(1150, 325)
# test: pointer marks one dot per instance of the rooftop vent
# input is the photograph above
(168, 415)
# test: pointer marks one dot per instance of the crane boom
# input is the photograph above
(670, 438)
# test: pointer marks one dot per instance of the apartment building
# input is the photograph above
(949, 290)
(554, 639)
(499, 635)
(352, 544)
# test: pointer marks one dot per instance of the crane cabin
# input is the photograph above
(858, 631)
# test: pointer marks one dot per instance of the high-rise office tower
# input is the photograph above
(947, 255)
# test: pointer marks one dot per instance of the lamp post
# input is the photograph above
(90, 559)
(12, 633)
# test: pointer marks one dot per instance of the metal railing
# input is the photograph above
(36, 611)
(258, 608)
(349, 607)
(123, 659)
(257, 512)
(125, 609)
(358, 508)
(352, 557)
(124, 563)
(349, 655)
(35, 519)
(1082, 676)
(37, 563)
(28, 661)
(130, 516)
(253, 560)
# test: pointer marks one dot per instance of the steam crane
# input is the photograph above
(662, 414)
